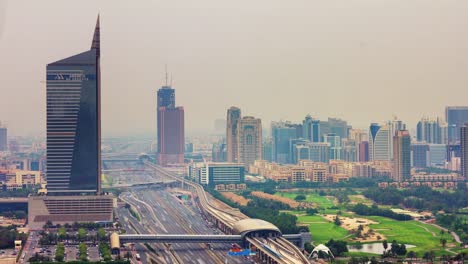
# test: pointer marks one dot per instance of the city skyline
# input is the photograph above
(323, 66)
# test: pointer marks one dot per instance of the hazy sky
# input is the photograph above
(361, 60)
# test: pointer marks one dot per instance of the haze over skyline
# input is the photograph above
(362, 61)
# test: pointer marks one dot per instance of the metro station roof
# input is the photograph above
(251, 224)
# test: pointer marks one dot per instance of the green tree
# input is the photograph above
(411, 255)
(62, 233)
(101, 234)
(300, 197)
(82, 234)
(60, 252)
(443, 242)
(385, 245)
(337, 221)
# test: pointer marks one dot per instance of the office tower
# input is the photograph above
(324, 129)
(338, 127)
(319, 151)
(420, 154)
(396, 125)
(249, 138)
(401, 156)
(171, 135)
(281, 135)
(293, 144)
(218, 152)
(334, 142)
(358, 135)
(464, 150)
(73, 122)
(73, 144)
(306, 127)
(311, 129)
(3, 138)
(170, 126)
(267, 152)
(166, 97)
(431, 131)
(456, 117)
(437, 155)
(349, 150)
(212, 173)
(233, 117)
(379, 143)
(364, 151)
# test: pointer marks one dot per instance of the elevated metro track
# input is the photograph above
(270, 249)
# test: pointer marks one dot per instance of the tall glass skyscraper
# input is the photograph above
(456, 117)
(73, 122)
(171, 130)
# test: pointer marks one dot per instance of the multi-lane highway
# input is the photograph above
(277, 250)
(163, 213)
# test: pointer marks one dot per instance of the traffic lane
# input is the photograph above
(179, 212)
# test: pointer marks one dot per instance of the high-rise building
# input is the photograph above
(334, 142)
(338, 127)
(282, 134)
(420, 154)
(431, 131)
(170, 126)
(3, 138)
(249, 138)
(311, 129)
(364, 151)
(401, 156)
(73, 122)
(218, 152)
(267, 152)
(437, 155)
(379, 142)
(171, 135)
(166, 97)
(233, 117)
(349, 150)
(73, 144)
(464, 150)
(456, 117)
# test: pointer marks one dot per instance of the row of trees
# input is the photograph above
(62, 234)
(8, 235)
(362, 209)
(456, 223)
(60, 252)
(268, 210)
(423, 198)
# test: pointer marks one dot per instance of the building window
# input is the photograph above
(249, 140)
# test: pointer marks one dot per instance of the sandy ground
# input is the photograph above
(235, 198)
(352, 224)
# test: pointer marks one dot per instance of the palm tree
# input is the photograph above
(411, 255)
(385, 245)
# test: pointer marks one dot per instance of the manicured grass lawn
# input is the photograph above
(322, 201)
(410, 232)
(321, 230)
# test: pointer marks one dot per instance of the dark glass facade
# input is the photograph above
(166, 97)
(456, 117)
(73, 123)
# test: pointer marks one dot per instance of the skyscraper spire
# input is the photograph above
(96, 44)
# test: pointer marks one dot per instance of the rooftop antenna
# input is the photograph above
(171, 80)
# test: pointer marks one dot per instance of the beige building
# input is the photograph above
(17, 179)
(69, 209)
(249, 139)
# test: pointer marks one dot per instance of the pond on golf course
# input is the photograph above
(376, 248)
